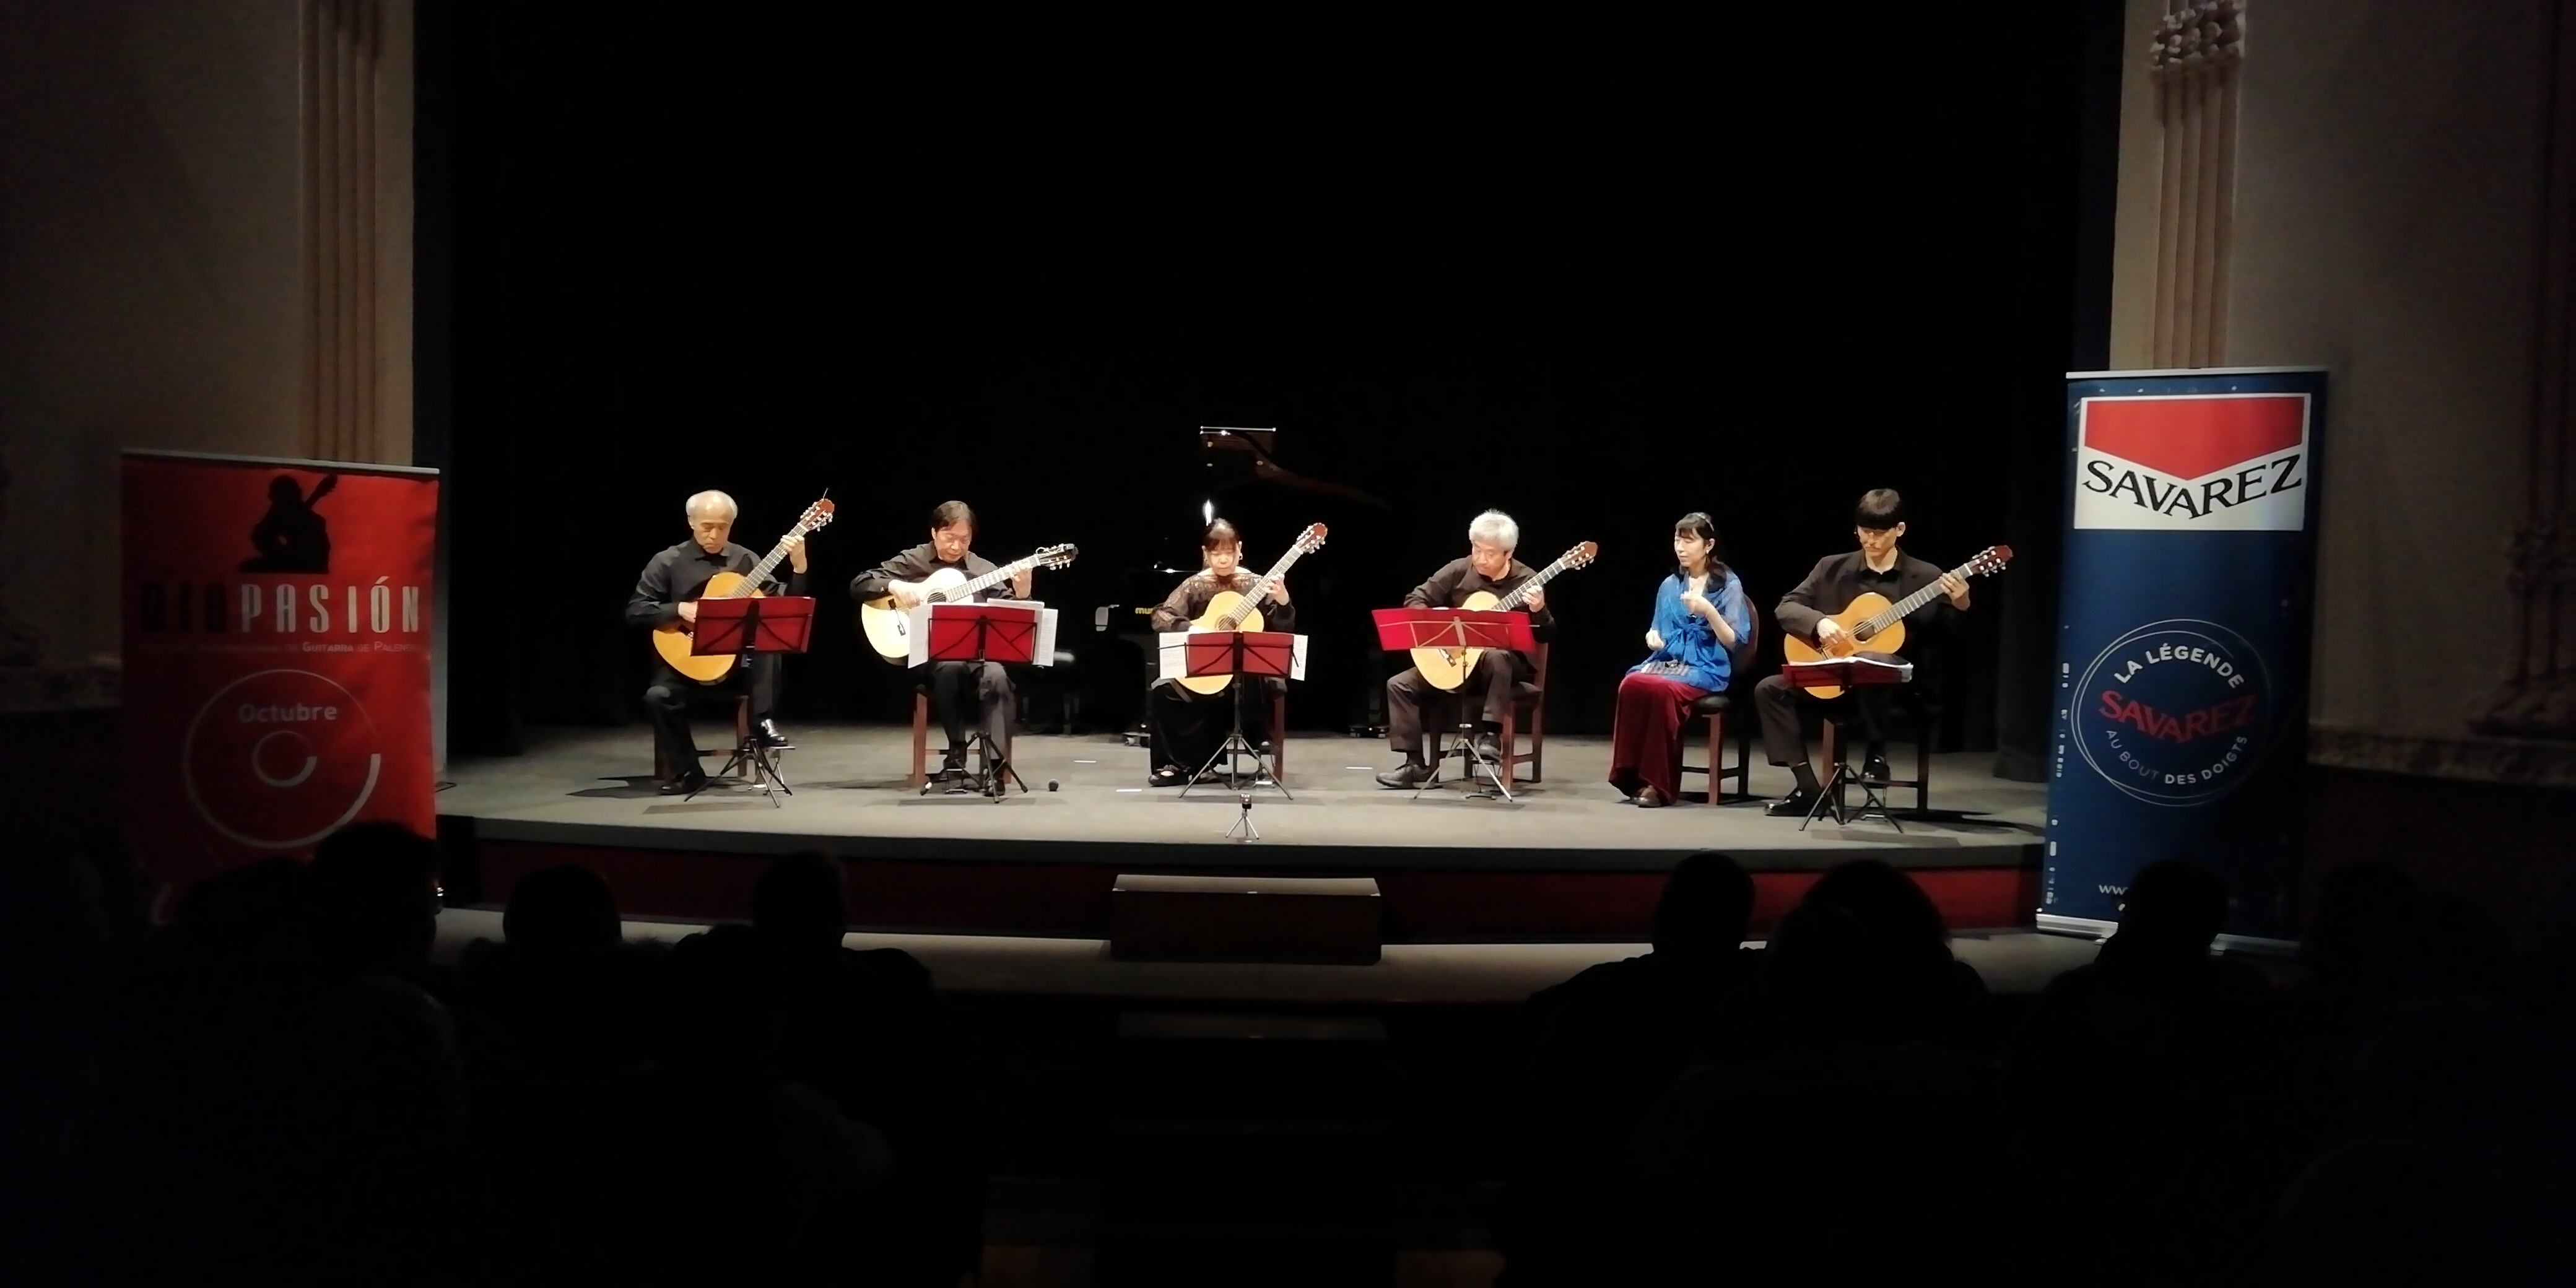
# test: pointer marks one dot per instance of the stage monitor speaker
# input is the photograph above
(1330, 921)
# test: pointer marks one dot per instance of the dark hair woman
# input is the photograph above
(1700, 617)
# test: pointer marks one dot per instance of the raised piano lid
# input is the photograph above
(1238, 455)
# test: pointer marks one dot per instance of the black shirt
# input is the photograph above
(917, 564)
(1839, 579)
(1199, 589)
(679, 574)
(1458, 578)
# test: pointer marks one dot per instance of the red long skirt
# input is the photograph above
(1646, 736)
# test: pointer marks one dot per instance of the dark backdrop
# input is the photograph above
(1593, 274)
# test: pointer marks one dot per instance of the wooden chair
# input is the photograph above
(920, 739)
(1531, 694)
(664, 771)
(1717, 708)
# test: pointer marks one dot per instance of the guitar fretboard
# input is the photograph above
(1902, 608)
(759, 574)
(1537, 580)
(978, 585)
(1252, 598)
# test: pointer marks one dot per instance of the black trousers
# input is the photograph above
(1187, 727)
(1408, 695)
(666, 704)
(1784, 732)
(960, 691)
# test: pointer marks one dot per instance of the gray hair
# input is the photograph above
(1496, 527)
(711, 501)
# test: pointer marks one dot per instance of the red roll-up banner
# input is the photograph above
(277, 660)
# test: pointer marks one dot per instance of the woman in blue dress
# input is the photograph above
(1700, 617)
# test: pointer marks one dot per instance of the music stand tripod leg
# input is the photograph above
(1825, 796)
(993, 769)
(1467, 751)
(1236, 743)
(765, 775)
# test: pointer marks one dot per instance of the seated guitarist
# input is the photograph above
(952, 690)
(1489, 565)
(1878, 521)
(668, 591)
(1188, 726)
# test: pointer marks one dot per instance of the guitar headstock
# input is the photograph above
(1584, 552)
(815, 516)
(1052, 557)
(1311, 539)
(1989, 560)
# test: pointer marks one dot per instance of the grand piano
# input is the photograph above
(1244, 480)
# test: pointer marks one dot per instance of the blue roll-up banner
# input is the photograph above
(2182, 656)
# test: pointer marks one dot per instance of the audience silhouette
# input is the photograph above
(279, 1087)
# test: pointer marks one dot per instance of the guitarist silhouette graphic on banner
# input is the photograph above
(291, 537)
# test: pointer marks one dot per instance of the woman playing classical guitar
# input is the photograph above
(1700, 618)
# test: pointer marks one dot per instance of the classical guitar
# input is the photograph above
(1231, 611)
(671, 639)
(1871, 624)
(889, 629)
(1447, 668)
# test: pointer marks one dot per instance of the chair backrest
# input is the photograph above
(1739, 659)
(1538, 666)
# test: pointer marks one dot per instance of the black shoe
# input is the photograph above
(1793, 805)
(1409, 774)
(1874, 771)
(765, 735)
(954, 762)
(688, 783)
(1167, 776)
(1489, 747)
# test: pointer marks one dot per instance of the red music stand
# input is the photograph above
(1860, 670)
(1254, 654)
(1004, 633)
(1406, 629)
(749, 626)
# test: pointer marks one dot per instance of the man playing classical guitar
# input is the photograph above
(950, 684)
(1188, 726)
(1878, 566)
(1489, 566)
(668, 591)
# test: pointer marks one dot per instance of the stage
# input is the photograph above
(1567, 861)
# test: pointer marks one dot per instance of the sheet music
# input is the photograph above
(1904, 669)
(1043, 654)
(1172, 655)
(918, 631)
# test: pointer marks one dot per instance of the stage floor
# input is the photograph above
(590, 787)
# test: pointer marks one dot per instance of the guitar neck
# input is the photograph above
(1522, 591)
(1905, 607)
(759, 574)
(1252, 598)
(978, 585)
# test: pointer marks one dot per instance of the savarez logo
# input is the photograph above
(2193, 462)
(2176, 712)
(253, 762)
